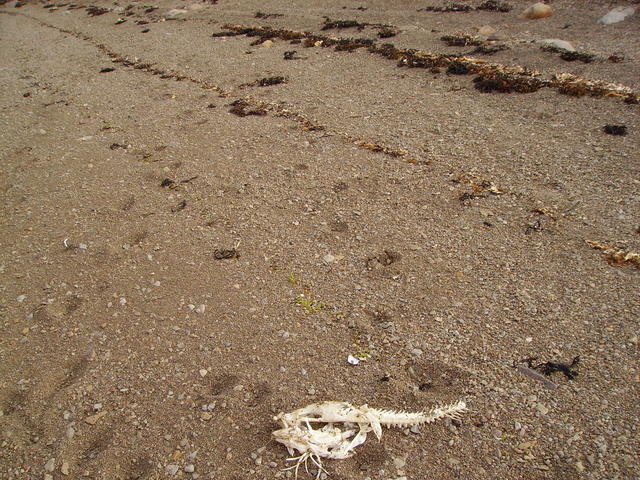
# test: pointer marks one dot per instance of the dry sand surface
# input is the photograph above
(415, 217)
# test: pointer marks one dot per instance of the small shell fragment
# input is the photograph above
(353, 360)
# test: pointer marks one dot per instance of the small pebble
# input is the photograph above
(50, 465)
(399, 462)
(21, 298)
(542, 410)
(190, 468)
(171, 469)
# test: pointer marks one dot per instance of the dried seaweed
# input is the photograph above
(351, 44)
(615, 129)
(387, 32)
(226, 254)
(584, 57)
(269, 81)
(458, 68)
(268, 15)
(503, 83)
(617, 256)
(456, 7)
(495, 6)
(495, 77)
(570, 55)
(94, 11)
(461, 40)
(489, 5)
(291, 55)
(547, 368)
(375, 147)
(340, 24)
(239, 108)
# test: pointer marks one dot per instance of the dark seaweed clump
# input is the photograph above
(499, 82)
(615, 129)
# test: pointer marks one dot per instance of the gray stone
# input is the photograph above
(50, 465)
(171, 470)
(616, 15)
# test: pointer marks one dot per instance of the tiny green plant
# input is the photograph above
(291, 278)
(310, 305)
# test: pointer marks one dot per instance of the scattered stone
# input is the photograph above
(329, 258)
(542, 410)
(64, 468)
(201, 308)
(21, 298)
(486, 31)
(527, 445)
(70, 432)
(190, 468)
(171, 470)
(203, 372)
(537, 10)
(579, 466)
(399, 462)
(93, 419)
(267, 43)
(616, 15)
(50, 466)
(416, 351)
(174, 13)
(562, 44)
